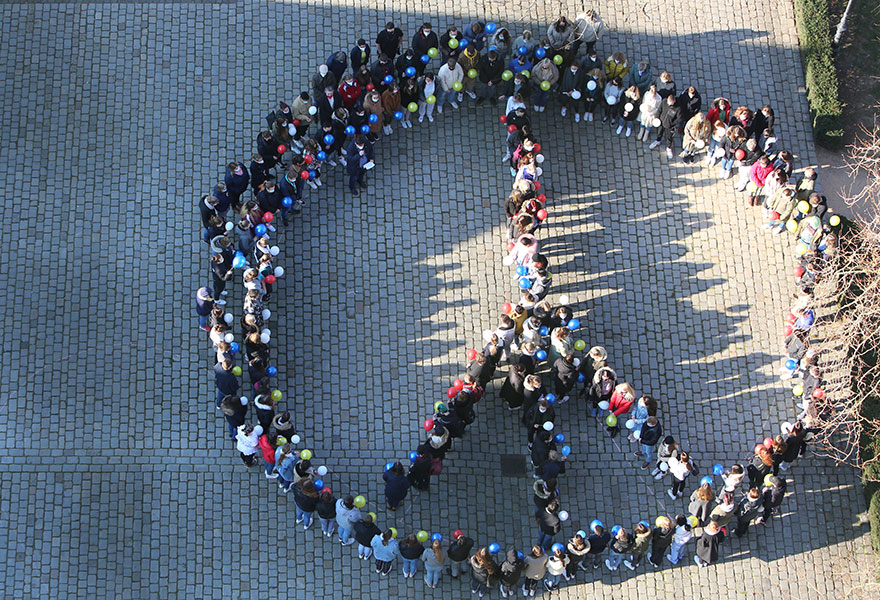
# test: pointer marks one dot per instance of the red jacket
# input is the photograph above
(350, 93)
(759, 173)
(267, 449)
(715, 115)
(619, 403)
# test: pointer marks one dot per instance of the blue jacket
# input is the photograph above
(396, 487)
(285, 468)
(223, 201)
(357, 59)
(383, 552)
(237, 184)
(225, 380)
(204, 307)
(356, 162)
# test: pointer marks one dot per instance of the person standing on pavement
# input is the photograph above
(235, 411)
(510, 572)
(411, 551)
(347, 514)
(448, 75)
(670, 117)
(237, 180)
(484, 572)
(225, 379)
(248, 442)
(489, 74)
(385, 550)
(359, 157)
(649, 435)
(396, 486)
(306, 498)
(423, 40)
(548, 523)
(434, 558)
(459, 551)
(535, 570)
(661, 539)
(364, 532)
(326, 510)
(204, 306)
(388, 40)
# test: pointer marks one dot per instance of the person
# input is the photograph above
(359, 157)
(577, 550)
(702, 501)
(795, 444)
(411, 550)
(221, 271)
(640, 544)
(434, 558)
(597, 541)
(707, 545)
(588, 28)
(650, 434)
(347, 515)
(759, 467)
(696, 134)
(723, 513)
(306, 498)
(680, 538)
(204, 306)
(448, 76)
(649, 111)
(544, 71)
(570, 91)
(396, 486)
(535, 417)
(621, 543)
(661, 540)
(423, 40)
(285, 462)
(364, 532)
(484, 572)
(534, 571)
(235, 410)
(385, 550)
(247, 442)
(510, 572)
(670, 117)
(772, 496)
(680, 466)
(602, 387)
(489, 75)
(428, 90)
(265, 409)
(267, 448)
(283, 425)
(629, 110)
(747, 509)
(446, 49)
(557, 563)
(326, 510)
(419, 474)
(549, 523)
(388, 40)
(565, 376)
(237, 180)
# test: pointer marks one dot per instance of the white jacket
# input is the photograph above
(248, 444)
(448, 76)
(678, 469)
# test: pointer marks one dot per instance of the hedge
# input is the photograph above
(814, 31)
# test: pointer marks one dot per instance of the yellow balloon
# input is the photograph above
(422, 536)
(360, 501)
(305, 454)
(791, 225)
(798, 390)
(834, 220)
(800, 249)
(803, 206)
(693, 521)
(236, 370)
(393, 532)
(372, 514)
(580, 345)
(280, 441)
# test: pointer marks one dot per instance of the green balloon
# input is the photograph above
(453, 43)
(412, 107)
(423, 536)
(545, 85)
(431, 99)
(611, 421)
(457, 86)
(507, 75)
(433, 52)
(472, 73)
(557, 59)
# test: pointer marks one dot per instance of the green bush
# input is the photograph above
(870, 447)
(814, 31)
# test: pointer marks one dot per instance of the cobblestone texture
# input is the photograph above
(117, 481)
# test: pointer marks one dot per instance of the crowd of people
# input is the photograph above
(355, 100)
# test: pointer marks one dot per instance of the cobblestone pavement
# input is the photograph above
(117, 481)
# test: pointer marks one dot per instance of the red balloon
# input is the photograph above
(297, 122)
(768, 442)
(429, 424)
(268, 217)
(818, 393)
(452, 392)
(537, 185)
(506, 308)
(472, 354)
(542, 214)
(791, 318)
(510, 246)
(304, 174)
(542, 198)
(758, 448)
(775, 215)
(370, 87)
(282, 148)
(458, 384)
(537, 148)
(326, 489)
(503, 118)
(740, 154)
(787, 330)
(270, 279)
(798, 271)
(308, 159)
(511, 128)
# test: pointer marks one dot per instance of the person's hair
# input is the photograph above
(308, 487)
(618, 56)
(779, 445)
(232, 165)
(578, 541)
(652, 421)
(482, 557)
(754, 493)
(641, 528)
(287, 450)
(681, 520)
(621, 533)
(386, 537)
(506, 320)
(713, 527)
(348, 501)
(397, 469)
(736, 469)
(552, 505)
(326, 497)
(537, 551)
(650, 405)
(437, 547)
(665, 76)
(663, 522)
(705, 492)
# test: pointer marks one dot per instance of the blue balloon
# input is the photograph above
(413, 456)
(388, 466)
(522, 270)
(491, 27)
(645, 523)
(557, 546)
(596, 522)
(559, 438)
(238, 261)
(522, 50)
(550, 397)
(365, 128)
(574, 325)
(329, 139)
(519, 554)
(319, 484)
(437, 536)
(410, 71)
(494, 548)
(791, 364)
(544, 330)
(321, 155)
(388, 79)
(260, 229)
(350, 130)
(551, 402)
(581, 378)
(706, 479)
(234, 347)
(272, 371)
(615, 529)
(540, 53)
(718, 469)
(287, 202)
(541, 355)
(524, 283)
(463, 43)
(566, 450)
(398, 115)
(312, 174)
(425, 58)
(581, 533)
(373, 118)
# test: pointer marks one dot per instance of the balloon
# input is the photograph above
(287, 202)
(438, 405)
(800, 249)
(272, 371)
(422, 536)
(228, 318)
(295, 439)
(580, 345)
(410, 72)
(276, 395)
(261, 230)
(281, 148)
(664, 467)
(437, 536)
(494, 548)
(279, 271)
(797, 390)
(545, 85)
(425, 59)
(274, 250)
(321, 155)
(611, 421)
(798, 271)
(615, 530)
(244, 400)
(433, 52)
(360, 501)
(522, 270)
(373, 118)
(563, 516)
(236, 370)
(563, 299)
(522, 50)
(228, 338)
(429, 424)
(280, 441)
(350, 130)
(758, 447)
(388, 79)
(559, 438)
(544, 330)
(270, 279)
(791, 364)
(834, 221)
(630, 424)
(365, 129)
(511, 128)
(458, 384)
(550, 398)
(452, 43)
(305, 454)
(542, 214)
(558, 59)
(693, 521)
(540, 53)
(229, 226)
(603, 405)
(541, 355)
(234, 347)
(740, 154)
(818, 393)
(319, 484)
(707, 480)
(308, 159)
(268, 217)
(472, 354)
(581, 378)
(787, 330)
(803, 206)
(264, 337)
(718, 469)
(576, 95)
(372, 515)
(329, 139)
(389, 466)
(452, 392)
(539, 171)
(491, 27)
(591, 85)
(398, 115)
(507, 75)
(574, 324)
(313, 110)
(412, 107)
(238, 261)
(537, 184)
(540, 158)
(768, 442)
(463, 43)
(524, 283)
(472, 73)
(548, 425)
(457, 86)
(506, 308)
(370, 87)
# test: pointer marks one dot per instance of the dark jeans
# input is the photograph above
(677, 486)
(219, 285)
(742, 526)
(664, 134)
(356, 179)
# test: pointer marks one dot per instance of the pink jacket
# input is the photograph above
(759, 173)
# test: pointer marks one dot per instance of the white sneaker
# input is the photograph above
(460, 97)
(669, 153)
(670, 494)
(220, 302)
(439, 111)
(472, 95)
(564, 399)
(270, 227)
(430, 118)
(342, 161)
(506, 158)
(224, 293)
(628, 131)
(564, 111)
(619, 129)
(453, 103)
(318, 182)
(591, 117)
(577, 117)
(628, 565)
(421, 119)
(312, 184)
(331, 162)
(654, 144)
(297, 144)
(271, 475)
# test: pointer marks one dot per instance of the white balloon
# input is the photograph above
(548, 426)
(266, 330)
(575, 95)
(591, 85)
(637, 433)
(700, 144)
(656, 122)
(628, 106)
(229, 338)
(244, 400)
(787, 427)
(563, 300)
(295, 439)
(630, 424)
(264, 337)
(230, 226)
(266, 314)
(611, 100)
(279, 271)
(313, 110)
(577, 363)
(322, 470)
(274, 250)
(563, 515)
(228, 318)
(603, 405)
(539, 171)
(664, 467)
(539, 158)
(487, 336)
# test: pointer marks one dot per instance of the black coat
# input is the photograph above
(237, 184)
(689, 106)
(670, 115)
(707, 546)
(396, 487)
(357, 58)
(512, 388)
(365, 532)
(460, 549)
(270, 201)
(421, 44)
(326, 510)
(304, 502)
(661, 539)
(565, 376)
(325, 111)
(651, 435)
(226, 382)
(489, 71)
(206, 212)
(389, 42)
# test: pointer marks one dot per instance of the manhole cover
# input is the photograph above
(513, 465)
